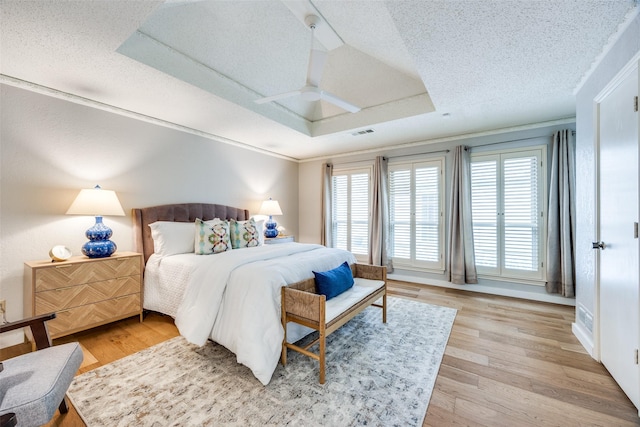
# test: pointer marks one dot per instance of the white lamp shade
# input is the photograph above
(96, 202)
(270, 207)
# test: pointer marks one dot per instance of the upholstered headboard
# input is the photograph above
(183, 212)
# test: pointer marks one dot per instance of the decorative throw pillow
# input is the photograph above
(260, 227)
(172, 238)
(212, 237)
(244, 234)
(334, 282)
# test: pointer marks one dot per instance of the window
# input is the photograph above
(415, 214)
(351, 195)
(508, 204)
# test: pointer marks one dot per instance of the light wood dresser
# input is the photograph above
(84, 292)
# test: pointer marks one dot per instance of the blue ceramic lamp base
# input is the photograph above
(99, 245)
(270, 230)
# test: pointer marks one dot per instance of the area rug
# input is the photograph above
(376, 374)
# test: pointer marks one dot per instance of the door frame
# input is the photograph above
(632, 66)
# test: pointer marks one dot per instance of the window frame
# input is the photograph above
(349, 171)
(412, 263)
(501, 272)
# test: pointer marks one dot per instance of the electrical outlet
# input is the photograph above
(588, 322)
(3, 305)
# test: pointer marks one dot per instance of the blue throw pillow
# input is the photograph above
(334, 282)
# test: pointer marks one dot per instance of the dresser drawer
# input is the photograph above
(74, 296)
(64, 275)
(90, 315)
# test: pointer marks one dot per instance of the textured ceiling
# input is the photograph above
(201, 64)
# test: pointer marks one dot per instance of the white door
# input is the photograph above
(619, 271)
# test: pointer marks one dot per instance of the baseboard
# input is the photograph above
(584, 337)
(535, 293)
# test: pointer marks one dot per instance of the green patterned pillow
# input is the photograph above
(212, 237)
(244, 234)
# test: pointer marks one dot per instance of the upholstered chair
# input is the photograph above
(33, 385)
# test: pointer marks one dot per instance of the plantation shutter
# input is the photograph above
(484, 211)
(427, 213)
(521, 213)
(507, 198)
(360, 214)
(415, 202)
(340, 212)
(400, 212)
(350, 212)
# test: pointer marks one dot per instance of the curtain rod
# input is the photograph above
(573, 132)
(503, 142)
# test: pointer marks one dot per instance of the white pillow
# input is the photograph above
(260, 227)
(171, 238)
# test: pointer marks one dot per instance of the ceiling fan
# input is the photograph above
(311, 92)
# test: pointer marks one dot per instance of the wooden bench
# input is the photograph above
(301, 304)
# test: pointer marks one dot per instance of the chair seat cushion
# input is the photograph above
(33, 385)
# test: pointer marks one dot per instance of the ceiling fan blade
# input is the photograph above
(339, 102)
(317, 59)
(276, 97)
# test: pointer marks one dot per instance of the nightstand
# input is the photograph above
(279, 239)
(84, 292)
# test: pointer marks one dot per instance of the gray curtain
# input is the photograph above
(325, 235)
(379, 224)
(561, 226)
(462, 263)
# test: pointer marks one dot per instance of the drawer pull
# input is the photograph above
(64, 266)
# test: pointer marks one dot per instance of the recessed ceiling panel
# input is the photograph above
(264, 51)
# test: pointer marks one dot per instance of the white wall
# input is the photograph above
(310, 196)
(51, 148)
(615, 59)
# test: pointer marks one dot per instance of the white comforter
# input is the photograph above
(234, 298)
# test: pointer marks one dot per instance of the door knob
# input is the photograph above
(598, 245)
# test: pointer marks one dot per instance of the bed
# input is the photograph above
(231, 297)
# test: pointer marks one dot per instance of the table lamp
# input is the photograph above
(97, 202)
(270, 207)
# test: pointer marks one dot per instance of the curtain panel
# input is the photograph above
(462, 264)
(560, 217)
(379, 224)
(326, 233)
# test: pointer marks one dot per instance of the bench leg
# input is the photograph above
(283, 355)
(384, 308)
(321, 355)
(283, 319)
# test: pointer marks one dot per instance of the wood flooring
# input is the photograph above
(508, 362)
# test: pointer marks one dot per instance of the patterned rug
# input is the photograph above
(376, 374)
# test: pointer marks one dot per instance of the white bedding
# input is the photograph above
(234, 297)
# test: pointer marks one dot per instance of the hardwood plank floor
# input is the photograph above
(508, 362)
